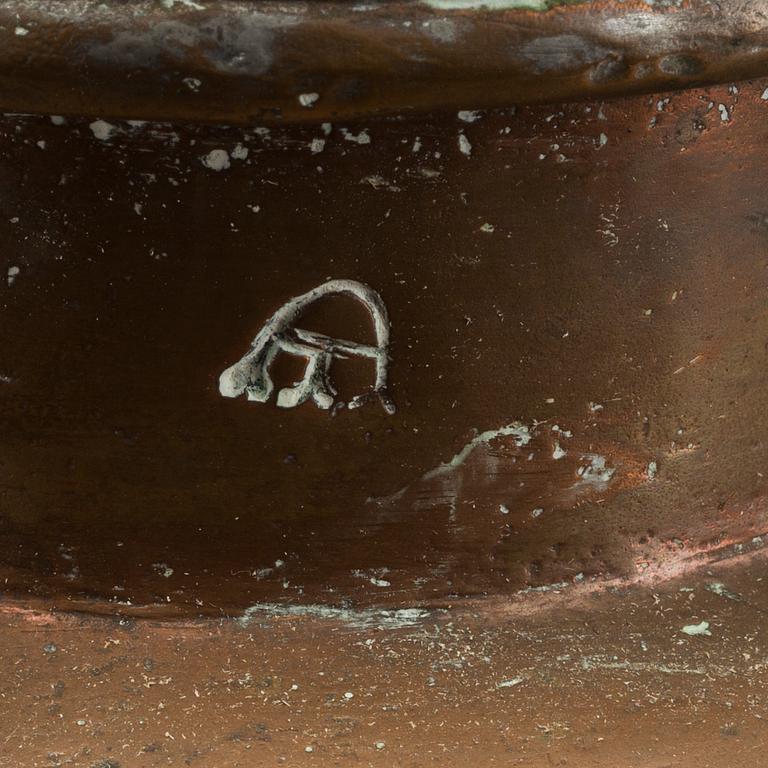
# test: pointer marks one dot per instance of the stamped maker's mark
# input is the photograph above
(250, 374)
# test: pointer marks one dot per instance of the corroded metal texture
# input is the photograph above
(576, 355)
(239, 62)
(618, 681)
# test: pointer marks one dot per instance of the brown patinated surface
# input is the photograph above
(241, 61)
(552, 553)
(592, 273)
(605, 683)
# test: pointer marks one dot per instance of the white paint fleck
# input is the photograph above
(538, 512)
(469, 115)
(719, 589)
(504, 509)
(239, 152)
(163, 569)
(651, 470)
(491, 5)
(326, 128)
(13, 273)
(21, 31)
(57, 119)
(102, 130)
(602, 140)
(360, 138)
(362, 619)
(488, 228)
(764, 95)
(464, 146)
(216, 160)
(308, 99)
(559, 452)
(316, 146)
(192, 83)
(380, 745)
(724, 114)
(697, 629)
(596, 472)
(510, 683)
(416, 145)
(188, 3)
(520, 433)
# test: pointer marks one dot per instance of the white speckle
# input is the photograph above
(361, 619)
(41, 144)
(651, 470)
(189, 3)
(416, 145)
(538, 512)
(192, 83)
(380, 745)
(596, 472)
(469, 115)
(57, 120)
(349, 695)
(602, 140)
(559, 452)
(379, 182)
(764, 95)
(137, 208)
(326, 128)
(101, 129)
(163, 569)
(309, 749)
(308, 99)
(550, 400)
(510, 683)
(724, 114)
(721, 590)
(519, 432)
(12, 274)
(504, 509)
(21, 31)
(595, 407)
(316, 146)
(489, 228)
(697, 629)
(239, 152)
(360, 138)
(216, 160)
(464, 146)
(255, 208)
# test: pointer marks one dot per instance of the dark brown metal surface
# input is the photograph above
(593, 273)
(539, 540)
(237, 61)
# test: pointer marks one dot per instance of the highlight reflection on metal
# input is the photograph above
(250, 375)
